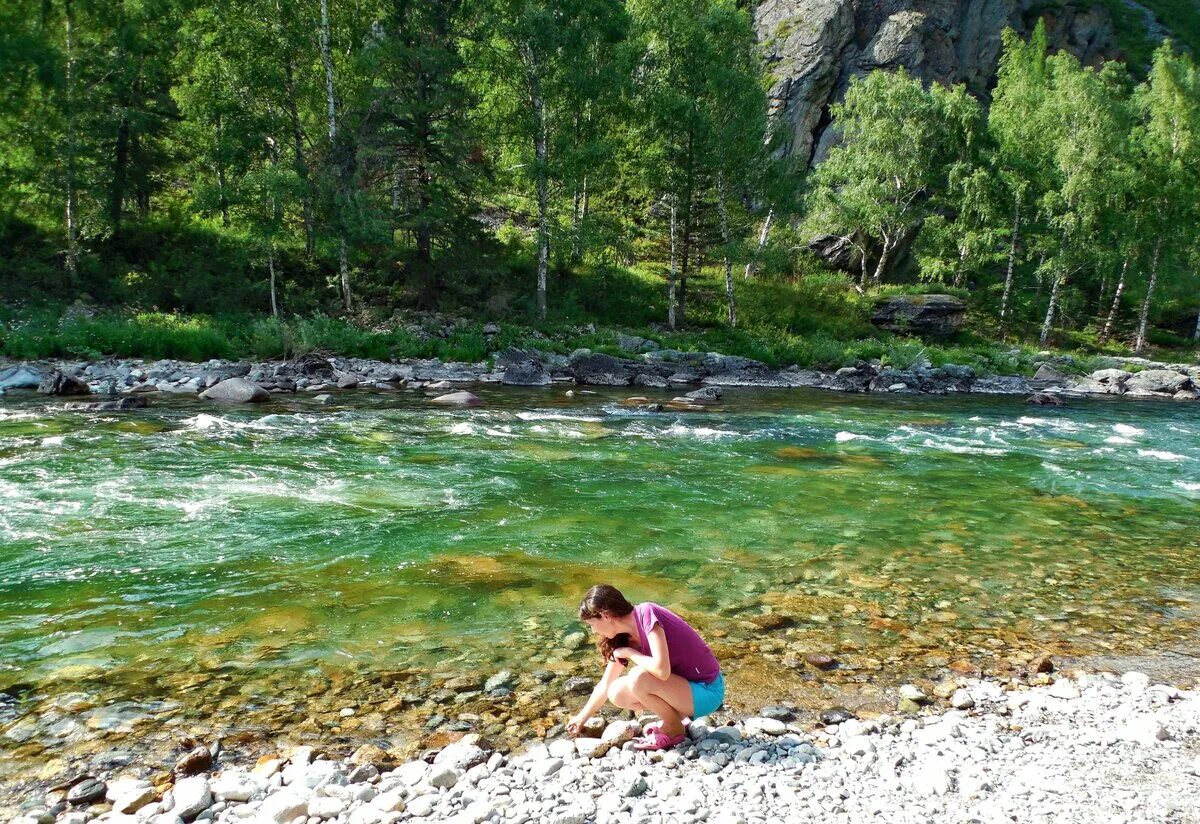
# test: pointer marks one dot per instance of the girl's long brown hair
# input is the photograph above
(601, 599)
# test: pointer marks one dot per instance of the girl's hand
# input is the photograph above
(575, 725)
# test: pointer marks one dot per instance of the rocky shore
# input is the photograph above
(123, 380)
(1078, 747)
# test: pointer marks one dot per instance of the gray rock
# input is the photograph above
(601, 370)
(191, 796)
(579, 685)
(87, 791)
(20, 377)
(457, 399)
(236, 390)
(1157, 380)
(925, 315)
(283, 807)
(56, 383)
(463, 754)
(708, 394)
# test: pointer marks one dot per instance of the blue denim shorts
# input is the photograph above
(707, 697)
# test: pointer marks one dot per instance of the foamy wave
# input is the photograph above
(55, 440)
(557, 416)
(463, 428)
(678, 430)
(1117, 439)
(842, 437)
(1161, 455)
(1188, 485)
(204, 421)
(1126, 429)
(961, 448)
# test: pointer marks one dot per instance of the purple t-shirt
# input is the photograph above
(690, 656)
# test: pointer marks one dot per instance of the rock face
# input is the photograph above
(925, 315)
(56, 383)
(236, 390)
(814, 47)
(19, 377)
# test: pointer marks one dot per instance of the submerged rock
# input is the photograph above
(463, 398)
(122, 405)
(236, 390)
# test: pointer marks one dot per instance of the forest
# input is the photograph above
(558, 161)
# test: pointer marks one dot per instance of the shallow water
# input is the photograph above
(200, 561)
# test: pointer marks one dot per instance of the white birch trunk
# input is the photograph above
(1116, 302)
(271, 269)
(1012, 259)
(1140, 343)
(72, 208)
(671, 273)
(762, 241)
(1048, 322)
(724, 213)
(331, 111)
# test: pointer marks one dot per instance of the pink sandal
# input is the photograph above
(656, 739)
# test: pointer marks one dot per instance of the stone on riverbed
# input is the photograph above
(191, 797)
(236, 390)
(122, 405)
(87, 791)
(463, 754)
(457, 399)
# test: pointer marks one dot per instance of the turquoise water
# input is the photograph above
(263, 544)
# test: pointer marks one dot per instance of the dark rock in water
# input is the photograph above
(925, 315)
(579, 685)
(708, 394)
(601, 370)
(236, 390)
(522, 368)
(112, 759)
(771, 621)
(86, 791)
(543, 676)
(126, 403)
(836, 715)
(821, 661)
(778, 713)
(1045, 399)
(56, 383)
(20, 377)
(198, 760)
(435, 721)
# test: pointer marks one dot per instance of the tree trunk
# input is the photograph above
(1116, 302)
(301, 163)
(1046, 324)
(579, 210)
(344, 270)
(271, 269)
(671, 275)
(72, 209)
(539, 151)
(116, 194)
(762, 241)
(1012, 259)
(723, 211)
(222, 196)
(1140, 343)
(877, 278)
(339, 183)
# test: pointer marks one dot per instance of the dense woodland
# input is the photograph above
(478, 156)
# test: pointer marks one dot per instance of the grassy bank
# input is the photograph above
(813, 322)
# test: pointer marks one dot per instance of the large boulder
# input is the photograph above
(924, 315)
(522, 368)
(56, 383)
(1157, 380)
(601, 370)
(236, 390)
(20, 377)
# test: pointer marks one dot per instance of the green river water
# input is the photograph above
(190, 568)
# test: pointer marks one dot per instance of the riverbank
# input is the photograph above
(656, 369)
(1077, 747)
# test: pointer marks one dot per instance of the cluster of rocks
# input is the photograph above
(1179, 381)
(647, 367)
(1082, 747)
